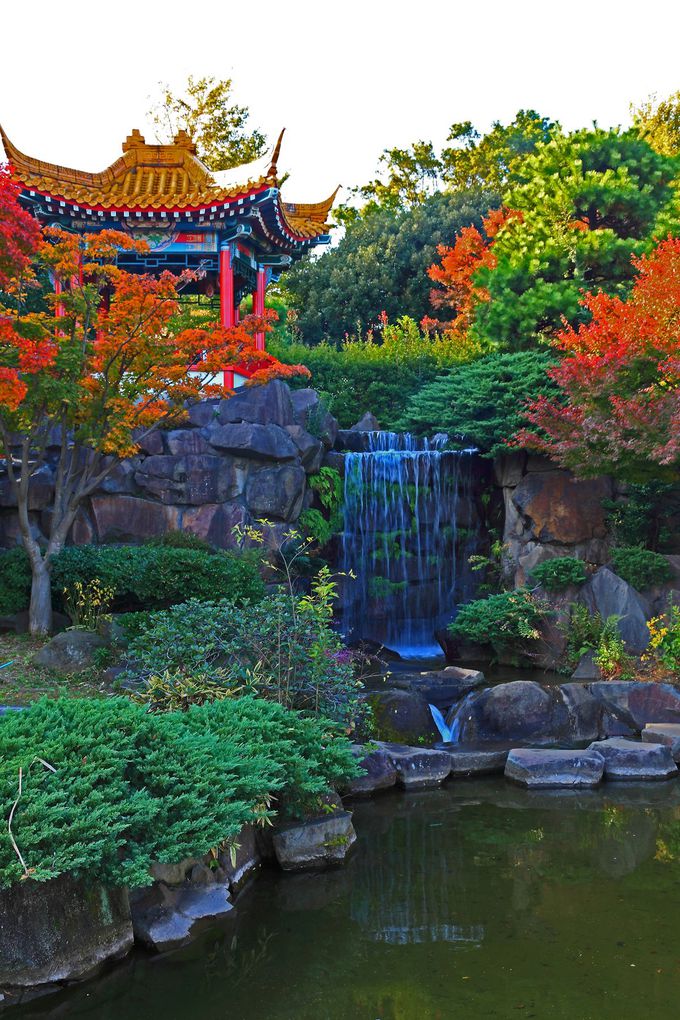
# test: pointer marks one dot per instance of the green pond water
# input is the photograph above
(476, 900)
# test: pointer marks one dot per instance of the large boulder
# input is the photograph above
(309, 449)
(194, 479)
(664, 733)
(40, 489)
(257, 442)
(521, 710)
(214, 522)
(367, 423)
(628, 759)
(401, 717)
(441, 687)
(609, 595)
(277, 492)
(130, 519)
(264, 405)
(183, 441)
(378, 771)
(317, 843)
(310, 413)
(61, 930)
(72, 651)
(635, 703)
(559, 509)
(536, 768)
(419, 768)
(475, 761)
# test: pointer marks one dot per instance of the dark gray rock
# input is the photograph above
(151, 442)
(441, 687)
(61, 930)
(634, 703)
(401, 716)
(545, 768)
(310, 450)
(315, 844)
(245, 861)
(312, 416)
(587, 668)
(72, 651)
(264, 405)
(130, 519)
(214, 522)
(40, 490)
(164, 917)
(521, 710)
(277, 492)
(183, 441)
(418, 768)
(367, 423)
(194, 479)
(379, 772)
(664, 733)
(476, 761)
(628, 759)
(609, 595)
(257, 442)
(202, 414)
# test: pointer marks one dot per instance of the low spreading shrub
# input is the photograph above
(145, 575)
(559, 574)
(282, 647)
(108, 787)
(640, 567)
(504, 622)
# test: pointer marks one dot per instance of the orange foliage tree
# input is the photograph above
(95, 369)
(459, 290)
(618, 411)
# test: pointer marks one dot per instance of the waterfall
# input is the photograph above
(409, 528)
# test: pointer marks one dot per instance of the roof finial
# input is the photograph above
(133, 140)
(184, 140)
(272, 172)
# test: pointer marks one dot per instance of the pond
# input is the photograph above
(478, 900)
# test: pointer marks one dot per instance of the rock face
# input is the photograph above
(418, 768)
(60, 930)
(235, 461)
(315, 844)
(664, 733)
(72, 651)
(627, 759)
(164, 917)
(609, 595)
(546, 768)
(440, 687)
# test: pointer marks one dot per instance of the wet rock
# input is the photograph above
(664, 733)
(379, 772)
(559, 509)
(419, 768)
(264, 405)
(440, 687)
(476, 761)
(164, 918)
(401, 716)
(549, 768)
(61, 930)
(520, 710)
(257, 442)
(130, 519)
(72, 651)
(245, 861)
(609, 595)
(636, 703)
(315, 844)
(627, 759)
(277, 492)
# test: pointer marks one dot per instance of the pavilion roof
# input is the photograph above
(164, 177)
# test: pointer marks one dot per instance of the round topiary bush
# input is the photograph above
(640, 567)
(559, 574)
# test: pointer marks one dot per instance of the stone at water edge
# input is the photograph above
(379, 771)
(475, 761)
(165, 918)
(315, 844)
(664, 733)
(418, 768)
(536, 768)
(628, 759)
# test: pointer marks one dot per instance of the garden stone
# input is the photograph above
(72, 651)
(627, 759)
(195, 479)
(264, 405)
(315, 844)
(475, 761)
(277, 492)
(183, 441)
(214, 522)
(664, 733)
(367, 423)
(310, 413)
(418, 768)
(609, 595)
(401, 716)
(536, 768)
(559, 509)
(440, 687)
(379, 772)
(520, 710)
(61, 930)
(165, 918)
(310, 450)
(257, 442)
(587, 668)
(635, 703)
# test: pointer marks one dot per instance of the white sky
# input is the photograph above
(346, 79)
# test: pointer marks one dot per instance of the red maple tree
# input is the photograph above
(97, 368)
(619, 409)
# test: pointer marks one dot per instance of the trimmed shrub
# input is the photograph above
(640, 567)
(108, 787)
(15, 581)
(559, 574)
(503, 621)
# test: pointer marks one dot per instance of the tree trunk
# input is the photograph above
(40, 611)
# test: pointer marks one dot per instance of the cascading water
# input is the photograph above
(410, 527)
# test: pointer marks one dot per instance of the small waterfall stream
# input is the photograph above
(410, 526)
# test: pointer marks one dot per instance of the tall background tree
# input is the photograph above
(206, 110)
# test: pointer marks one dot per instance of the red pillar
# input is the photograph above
(58, 308)
(258, 303)
(227, 301)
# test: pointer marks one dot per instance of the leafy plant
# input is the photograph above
(101, 788)
(641, 517)
(87, 604)
(181, 540)
(611, 656)
(175, 690)
(664, 639)
(558, 574)
(505, 621)
(15, 581)
(640, 567)
(583, 632)
(328, 486)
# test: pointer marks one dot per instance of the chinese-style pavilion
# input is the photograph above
(232, 225)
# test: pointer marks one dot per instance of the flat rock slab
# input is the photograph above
(664, 733)
(538, 769)
(628, 759)
(165, 918)
(379, 772)
(315, 844)
(475, 762)
(419, 768)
